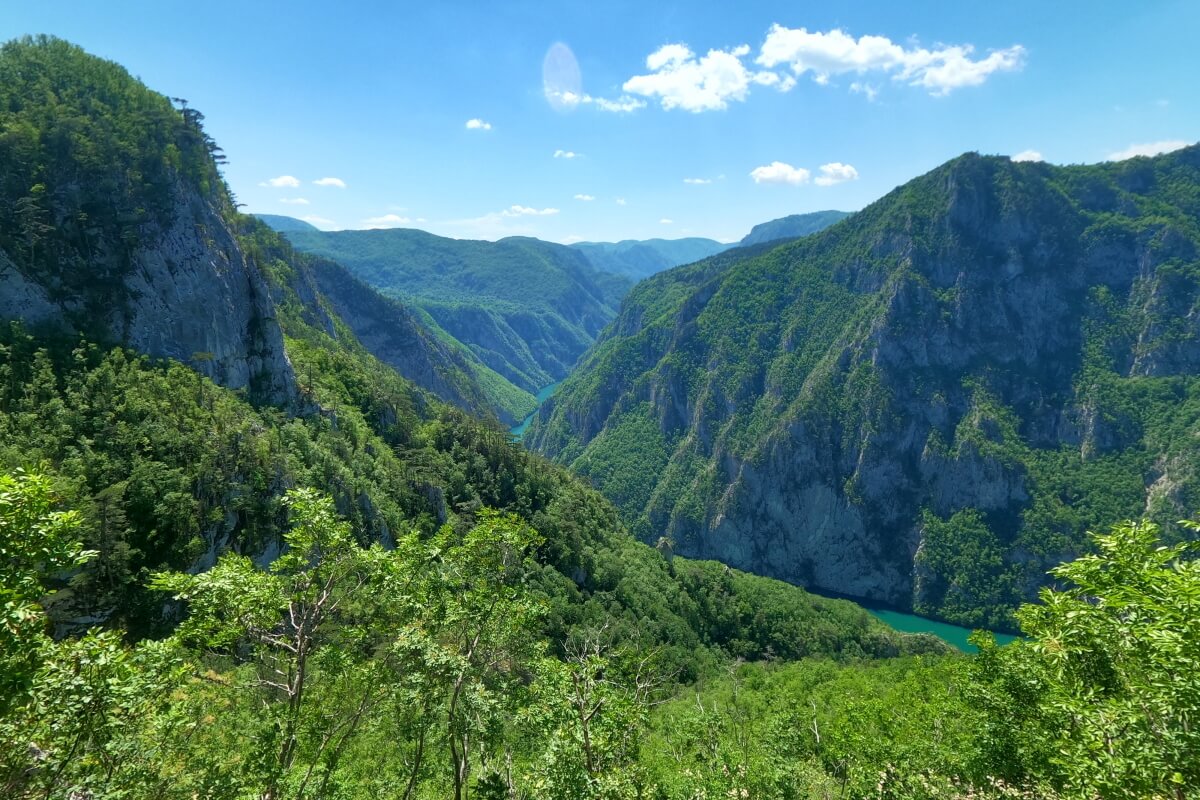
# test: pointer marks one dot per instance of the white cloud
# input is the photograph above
(526, 211)
(338, 182)
(665, 221)
(386, 221)
(697, 181)
(1148, 149)
(478, 125)
(681, 79)
(282, 182)
(318, 221)
(826, 54)
(1028, 155)
(620, 201)
(566, 154)
(834, 173)
(587, 198)
(779, 172)
(572, 239)
(294, 201)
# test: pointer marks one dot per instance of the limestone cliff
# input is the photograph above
(956, 382)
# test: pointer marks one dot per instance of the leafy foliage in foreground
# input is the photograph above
(419, 672)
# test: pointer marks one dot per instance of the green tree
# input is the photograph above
(1102, 699)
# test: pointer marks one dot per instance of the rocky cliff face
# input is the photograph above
(186, 292)
(954, 384)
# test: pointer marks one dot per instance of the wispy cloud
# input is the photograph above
(385, 221)
(1148, 149)
(698, 181)
(526, 211)
(477, 124)
(779, 172)
(571, 100)
(294, 201)
(320, 222)
(587, 198)
(282, 182)
(620, 201)
(665, 221)
(566, 154)
(338, 182)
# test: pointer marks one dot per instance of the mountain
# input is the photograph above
(284, 224)
(172, 461)
(926, 405)
(640, 259)
(792, 227)
(526, 308)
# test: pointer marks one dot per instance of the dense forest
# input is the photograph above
(314, 578)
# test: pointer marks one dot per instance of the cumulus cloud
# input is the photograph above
(478, 125)
(587, 198)
(338, 182)
(826, 54)
(779, 172)
(566, 154)
(679, 78)
(282, 182)
(294, 201)
(697, 181)
(1148, 149)
(1028, 155)
(835, 172)
(386, 221)
(526, 211)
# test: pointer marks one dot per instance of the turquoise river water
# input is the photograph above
(542, 396)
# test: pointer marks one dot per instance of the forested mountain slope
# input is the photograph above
(526, 308)
(928, 403)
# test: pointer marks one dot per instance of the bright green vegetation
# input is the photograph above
(792, 227)
(525, 308)
(969, 374)
(637, 259)
(418, 670)
(369, 593)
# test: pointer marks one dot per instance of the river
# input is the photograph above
(953, 634)
(542, 396)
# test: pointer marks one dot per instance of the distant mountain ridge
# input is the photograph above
(638, 259)
(792, 227)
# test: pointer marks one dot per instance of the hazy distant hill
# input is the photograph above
(284, 224)
(793, 226)
(641, 259)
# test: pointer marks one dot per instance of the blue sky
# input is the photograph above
(676, 119)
